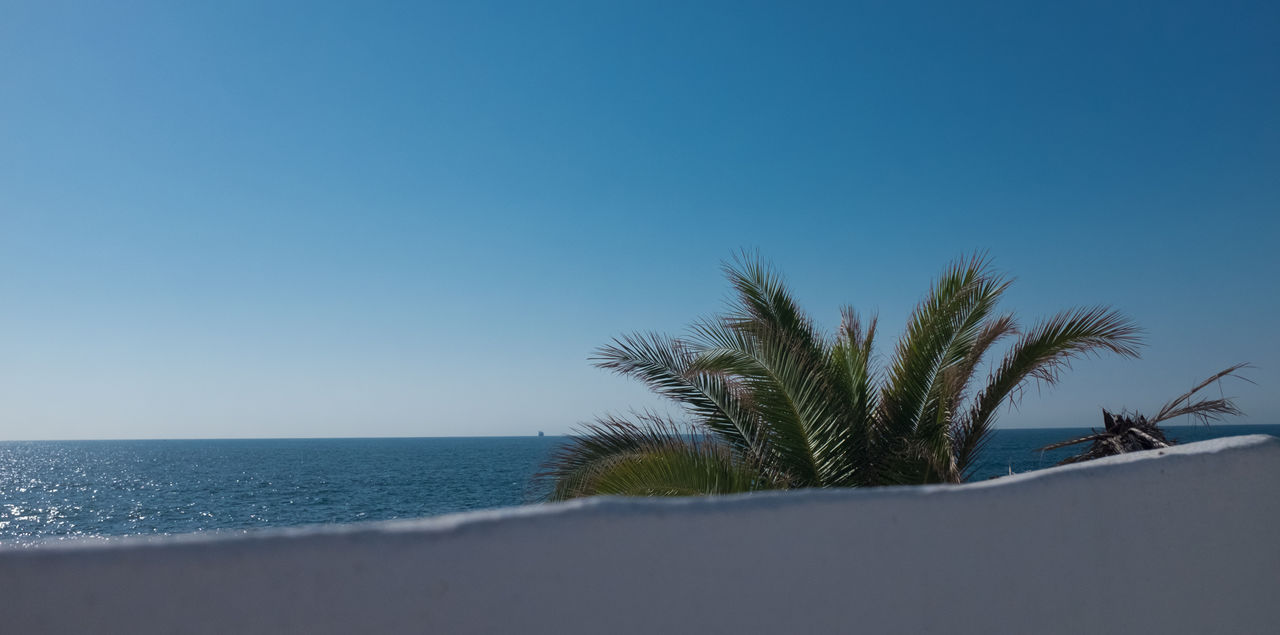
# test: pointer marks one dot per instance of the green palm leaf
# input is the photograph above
(941, 333)
(652, 457)
(1042, 354)
(666, 365)
(782, 388)
(855, 386)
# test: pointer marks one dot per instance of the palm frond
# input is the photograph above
(941, 333)
(1062, 444)
(782, 359)
(763, 300)
(603, 455)
(959, 376)
(689, 470)
(787, 388)
(855, 384)
(666, 365)
(1204, 410)
(1042, 354)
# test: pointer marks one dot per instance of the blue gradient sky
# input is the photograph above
(237, 219)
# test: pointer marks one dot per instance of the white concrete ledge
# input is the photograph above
(1174, 541)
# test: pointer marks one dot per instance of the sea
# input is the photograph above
(58, 490)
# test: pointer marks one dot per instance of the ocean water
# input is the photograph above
(51, 490)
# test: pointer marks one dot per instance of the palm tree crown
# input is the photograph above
(771, 402)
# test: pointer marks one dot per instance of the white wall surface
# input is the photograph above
(1176, 541)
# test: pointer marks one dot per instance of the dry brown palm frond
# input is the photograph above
(1127, 432)
(1205, 409)
(1063, 444)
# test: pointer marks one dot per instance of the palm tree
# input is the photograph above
(1133, 432)
(771, 402)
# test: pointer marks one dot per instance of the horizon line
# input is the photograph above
(501, 436)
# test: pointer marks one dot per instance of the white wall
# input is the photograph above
(1185, 542)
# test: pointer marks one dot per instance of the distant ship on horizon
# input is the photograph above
(541, 434)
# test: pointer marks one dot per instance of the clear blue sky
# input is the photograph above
(230, 219)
